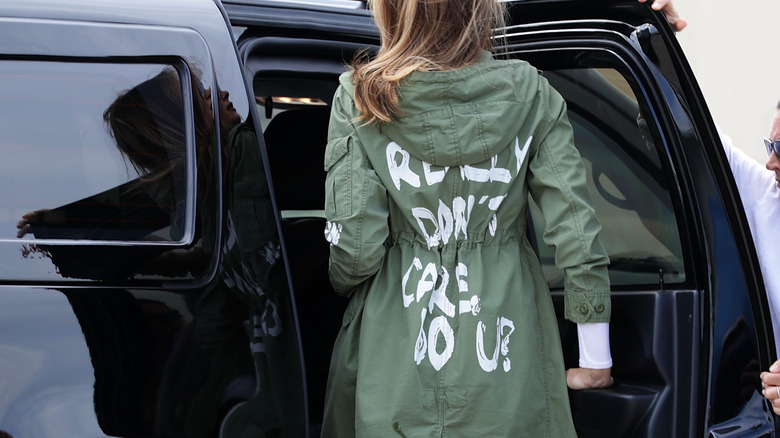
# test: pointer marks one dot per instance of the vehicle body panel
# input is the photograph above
(90, 346)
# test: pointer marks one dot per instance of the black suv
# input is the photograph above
(165, 293)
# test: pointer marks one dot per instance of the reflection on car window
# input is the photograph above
(630, 192)
(63, 176)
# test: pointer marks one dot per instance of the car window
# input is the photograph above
(62, 172)
(630, 191)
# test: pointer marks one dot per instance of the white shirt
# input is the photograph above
(761, 201)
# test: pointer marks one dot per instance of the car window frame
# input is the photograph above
(704, 195)
(182, 48)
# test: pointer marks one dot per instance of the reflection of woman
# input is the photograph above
(147, 123)
(251, 245)
(433, 150)
(251, 284)
(250, 213)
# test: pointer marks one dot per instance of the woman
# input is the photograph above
(147, 123)
(434, 148)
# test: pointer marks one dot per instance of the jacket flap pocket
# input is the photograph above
(336, 150)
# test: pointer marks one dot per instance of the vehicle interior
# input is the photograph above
(630, 183)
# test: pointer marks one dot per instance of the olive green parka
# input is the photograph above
(450, 330)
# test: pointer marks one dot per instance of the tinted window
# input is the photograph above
(61, 167)
(629, 187)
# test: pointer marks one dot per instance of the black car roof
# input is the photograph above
(353, 17)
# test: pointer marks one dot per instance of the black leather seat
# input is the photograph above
(295, 141)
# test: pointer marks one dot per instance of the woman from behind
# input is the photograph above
(434, 149)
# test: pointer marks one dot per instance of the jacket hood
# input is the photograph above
(464, 116)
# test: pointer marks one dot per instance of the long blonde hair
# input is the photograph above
(427, 35)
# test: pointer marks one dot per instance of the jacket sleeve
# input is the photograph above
(251, 216)
(355, 203)
(557, 182)
(251, 197)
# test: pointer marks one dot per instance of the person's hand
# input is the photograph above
(23, 226)
(770, 380)
(675, 21)
(588, 378)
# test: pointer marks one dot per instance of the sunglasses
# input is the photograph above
(772, 145)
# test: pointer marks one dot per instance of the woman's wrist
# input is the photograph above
(594, 345)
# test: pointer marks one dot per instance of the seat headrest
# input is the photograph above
(295, 141)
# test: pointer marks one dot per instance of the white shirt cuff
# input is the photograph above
(594, 345)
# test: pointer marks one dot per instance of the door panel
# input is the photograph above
(663, 245)
(652, 385)
(654, 309)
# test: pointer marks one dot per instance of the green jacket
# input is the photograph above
(450, 330)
